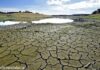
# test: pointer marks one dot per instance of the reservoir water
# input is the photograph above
(47, 20)
(5, 23)
(53, 20)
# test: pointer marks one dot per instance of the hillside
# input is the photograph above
(94, 15)
(96, 11)
(21, 16)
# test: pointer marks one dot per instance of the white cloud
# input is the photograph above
(9, 9)
(77, 7)
(84, 4)
(57, 2)
(93, 0)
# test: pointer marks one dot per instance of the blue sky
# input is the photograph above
(51, 6)
(20, 3)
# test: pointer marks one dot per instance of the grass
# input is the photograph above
(95, 16)
(22, 16)
(88, 25)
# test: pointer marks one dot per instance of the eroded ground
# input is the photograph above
(51, 47)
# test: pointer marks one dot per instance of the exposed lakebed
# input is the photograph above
(73, 46)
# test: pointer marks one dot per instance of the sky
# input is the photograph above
(51, 7)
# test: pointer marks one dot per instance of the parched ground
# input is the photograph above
(51, 47)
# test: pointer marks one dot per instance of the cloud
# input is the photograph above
(57, 2)
(9, 9)
(84, 4)
(78, 7)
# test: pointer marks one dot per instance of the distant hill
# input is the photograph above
(80, 14)
(96, 11)
(70, 15)
(15, 12)
(94, 15)
(21, 16)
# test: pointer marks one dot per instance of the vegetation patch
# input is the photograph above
(21, 16)
(94, 16)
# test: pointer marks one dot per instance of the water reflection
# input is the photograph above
(53, 20)
(5, 23)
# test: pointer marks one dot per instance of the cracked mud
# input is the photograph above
(51, 47)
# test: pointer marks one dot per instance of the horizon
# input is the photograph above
(51, 7)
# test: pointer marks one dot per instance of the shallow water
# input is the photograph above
(48, 20)
(5, 23)
(53, 20)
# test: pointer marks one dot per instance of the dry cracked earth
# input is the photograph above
(51, 47)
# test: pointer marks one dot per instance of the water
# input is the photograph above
(48, 20)
(53, 20)
(5, 23)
